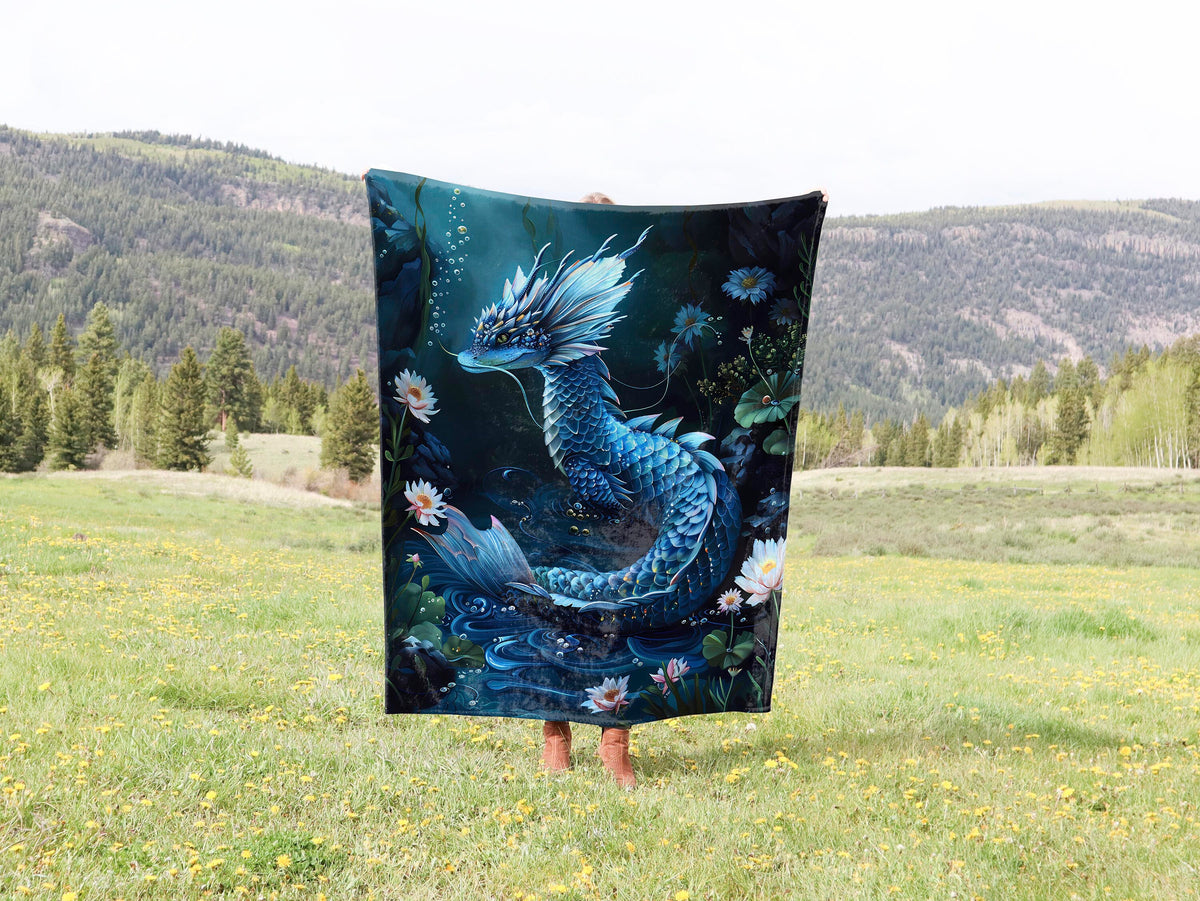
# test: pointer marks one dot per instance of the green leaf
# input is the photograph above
(426, 631)
(778, 443)
(741, 650)
(462, 652)
(722, 650)
(432, 609)
(404, 606)
(770, 400)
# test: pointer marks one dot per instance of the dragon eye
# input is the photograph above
(502, 339)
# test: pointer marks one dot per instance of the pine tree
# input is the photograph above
(35, 348)
(351, 429)
(1071, 423)
(299, 402)
(35, 432)
(95, 387)
(99, 338)
(62, 350)
(1038, 386)
(143, 420)
(232, 388)
(916, 451)
(67, 447)
(182, 430)
(10, 431)
(239, 460)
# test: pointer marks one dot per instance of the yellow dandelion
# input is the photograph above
(283, 861)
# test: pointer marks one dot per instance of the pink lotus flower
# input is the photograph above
(414, 392)
(425, 501)
(762, 573)
(608, 696)
(676, 668)
(730, 602)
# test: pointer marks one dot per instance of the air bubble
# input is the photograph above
(458, 190)
(462, 229)
(462, 204)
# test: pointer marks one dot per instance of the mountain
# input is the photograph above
(911, 312)
(918, 311)
(181, 237)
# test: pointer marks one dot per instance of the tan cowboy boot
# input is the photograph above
(614, 754)
(556, 754)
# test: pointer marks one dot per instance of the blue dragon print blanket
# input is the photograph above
(588, 415)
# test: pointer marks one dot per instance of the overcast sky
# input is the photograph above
(889, 107)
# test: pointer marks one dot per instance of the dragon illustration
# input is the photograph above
(555, 323)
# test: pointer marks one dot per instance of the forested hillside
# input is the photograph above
(180, 238)
(911, 314)
(916, 313)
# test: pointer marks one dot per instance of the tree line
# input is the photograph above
(1144, 412)
(69, 399)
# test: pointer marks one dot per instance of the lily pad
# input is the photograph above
(770, 400)
(724, 650)
(779, 443)
(463, 652)
(426, 632)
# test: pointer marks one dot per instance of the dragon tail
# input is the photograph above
(487, 560)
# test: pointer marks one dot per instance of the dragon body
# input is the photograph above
(614, 465)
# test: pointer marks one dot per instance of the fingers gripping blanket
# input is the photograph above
(588, 419)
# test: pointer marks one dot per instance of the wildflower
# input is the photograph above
(666, 357)
(676, 669)
(414, 559)
(426, 501)
(283, 861)
(785, 312)
(762, 572)
(730, 601)
(747, 333)
(414, 392)
(752, 283)
(608, 696)
(689, 323)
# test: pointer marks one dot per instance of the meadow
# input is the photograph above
(989, 687)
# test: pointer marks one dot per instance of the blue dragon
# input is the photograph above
(555, 323)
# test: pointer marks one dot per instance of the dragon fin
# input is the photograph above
(693, 441)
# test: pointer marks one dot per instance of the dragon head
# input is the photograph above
(543, 320)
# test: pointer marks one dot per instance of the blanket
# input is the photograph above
(587, 424)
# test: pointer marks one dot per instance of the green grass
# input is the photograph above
(190, 694)
(275, 457)
(1044, 515)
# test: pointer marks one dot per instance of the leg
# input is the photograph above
(556, 754)
(614, 754)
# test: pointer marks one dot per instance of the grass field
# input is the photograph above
(190, 696)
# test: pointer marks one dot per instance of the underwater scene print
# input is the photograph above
(587, 422)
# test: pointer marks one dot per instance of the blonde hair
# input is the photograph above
(595, 197)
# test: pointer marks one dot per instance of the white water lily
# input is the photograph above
(762, 573)
(609, 696)
(414, 392)
(425, 501)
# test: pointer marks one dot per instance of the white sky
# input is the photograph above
(888, 106)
